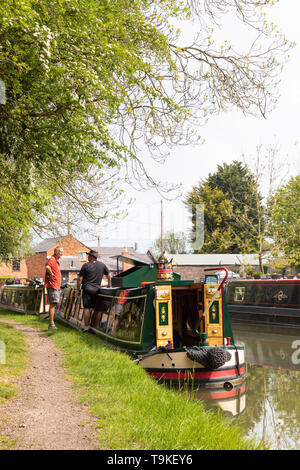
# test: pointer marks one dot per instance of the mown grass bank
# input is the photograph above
(133, 411)
(13, 363)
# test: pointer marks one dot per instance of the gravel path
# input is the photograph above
(46, 415)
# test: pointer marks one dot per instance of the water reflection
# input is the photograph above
(270, 346)
(272, 411)
(231, 402)
(273, 383)
(267, 406)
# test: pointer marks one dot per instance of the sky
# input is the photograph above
(226, 138)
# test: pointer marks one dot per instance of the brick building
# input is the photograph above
(189, 266)
(192, 266)
(15, 268)
(74, 256)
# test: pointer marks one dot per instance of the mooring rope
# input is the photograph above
(153, 352)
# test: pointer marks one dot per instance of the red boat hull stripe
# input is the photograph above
(224, 394)
(196, 374)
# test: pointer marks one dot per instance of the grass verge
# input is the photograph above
(13, 362)
(133, 411)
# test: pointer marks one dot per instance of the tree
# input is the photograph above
(270, 170)
(174, 242)
(285, 221)
(88, 82)
(82, 204)
(230, 199)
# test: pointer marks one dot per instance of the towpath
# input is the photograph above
(45, 415)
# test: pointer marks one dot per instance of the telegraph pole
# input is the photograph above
(161, 227)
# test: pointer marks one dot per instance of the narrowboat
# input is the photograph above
(267, 301)
(25, 298)
(178, 330)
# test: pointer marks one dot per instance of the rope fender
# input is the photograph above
(210, 358)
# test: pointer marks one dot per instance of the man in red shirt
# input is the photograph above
(53, 283)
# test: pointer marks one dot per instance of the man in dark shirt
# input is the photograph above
(90, 277)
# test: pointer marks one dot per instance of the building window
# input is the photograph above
(82, 256)
(16, 265)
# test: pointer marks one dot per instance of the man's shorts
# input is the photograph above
(53, 295)
(89, 296)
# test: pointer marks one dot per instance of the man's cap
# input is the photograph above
(93, 253)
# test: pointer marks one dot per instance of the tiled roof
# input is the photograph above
(46, 244)
(49, 243)
(70, 263)
(106, 252)
(226, 259)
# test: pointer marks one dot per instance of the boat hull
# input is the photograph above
(265, 315)
(274, 302)
(175, 368)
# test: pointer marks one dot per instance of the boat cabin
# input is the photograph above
(146, 307)
(143, 310)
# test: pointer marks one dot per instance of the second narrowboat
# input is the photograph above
(266, 301)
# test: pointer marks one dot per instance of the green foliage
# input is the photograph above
(230, 199)
(174, 242)
(87, 80)
(285, 221)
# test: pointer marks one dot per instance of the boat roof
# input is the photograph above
(132, 260)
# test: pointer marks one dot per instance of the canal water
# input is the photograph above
(268, 406)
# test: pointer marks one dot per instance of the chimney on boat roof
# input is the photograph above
(125, 265)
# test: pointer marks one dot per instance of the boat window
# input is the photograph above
(8, 298)
(239, 294)
(63, 301)
(121, 316)
(101, 313)
(126, 319)
(30, 300)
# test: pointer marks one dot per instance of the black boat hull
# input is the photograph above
(275, 302)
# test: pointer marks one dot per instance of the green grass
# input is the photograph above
(16, 360)
(133, 411)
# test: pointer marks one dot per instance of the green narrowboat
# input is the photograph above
(178, 330)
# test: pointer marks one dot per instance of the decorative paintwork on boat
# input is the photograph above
(179, 331)
(266, 301)
(24, 299)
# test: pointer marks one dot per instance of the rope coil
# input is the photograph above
(210, 358)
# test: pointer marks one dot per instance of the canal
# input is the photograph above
(268, 406)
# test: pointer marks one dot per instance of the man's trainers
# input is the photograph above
(85, 329)
(52, 327)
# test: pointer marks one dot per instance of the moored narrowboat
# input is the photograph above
(267, 301)
(178, 330)
(25, 298)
